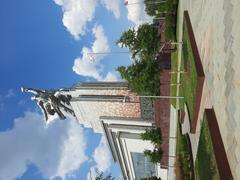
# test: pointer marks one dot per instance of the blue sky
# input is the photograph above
(43, 44)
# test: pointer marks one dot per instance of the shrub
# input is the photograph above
(151, 178)
(154, 135)
(155, 156)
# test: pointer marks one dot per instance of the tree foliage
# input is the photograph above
(168, 9)
(154, 135)
(151, 178)
(155, 156)
(141, 42)
(143, 77)
(153, 8)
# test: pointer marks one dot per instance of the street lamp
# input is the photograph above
(92, 55)
(126, 3)
(157, 97)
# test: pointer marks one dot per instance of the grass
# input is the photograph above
(189, 79)
(174, 65)
(183, 157)
(171, 19)
(169, 11)
(183, 152)
(205, 165)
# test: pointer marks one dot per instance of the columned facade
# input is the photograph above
(112, 109)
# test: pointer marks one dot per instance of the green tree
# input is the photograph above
(155, 156)
(151, 178)
(153, 8)
(143, 77)
(141, 42)
(153, 134)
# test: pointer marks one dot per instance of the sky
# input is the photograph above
(45, 45)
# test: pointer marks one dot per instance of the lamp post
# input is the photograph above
(157, 97)
(126, 3)
(163, 97)
(92, 55)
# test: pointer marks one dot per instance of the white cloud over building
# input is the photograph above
(102, 158)
(56, 150)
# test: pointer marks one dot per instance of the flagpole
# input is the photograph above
(92, 55)
(141, 2)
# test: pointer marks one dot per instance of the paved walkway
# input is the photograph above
(216, 26)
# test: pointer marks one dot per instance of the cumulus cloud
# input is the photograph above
(136, 12)
(112, 5)
(89, 65)
(10, 94)
(102, 158)
(77, 13)
(111, 76)
(57, 150)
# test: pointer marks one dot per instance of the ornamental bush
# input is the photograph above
(154, 135)
(155, 156)
(151, 178)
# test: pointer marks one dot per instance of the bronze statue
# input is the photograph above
(51, 102)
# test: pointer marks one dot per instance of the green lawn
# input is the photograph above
(174, 65)
(183, 152)
(189, 79)
(171, 19)
(184, 157)
(205, 165)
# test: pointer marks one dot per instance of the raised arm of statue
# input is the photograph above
(33, 91)
(41, 105)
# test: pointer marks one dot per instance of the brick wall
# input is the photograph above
(162, 113)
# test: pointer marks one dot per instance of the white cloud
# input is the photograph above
(57, 150)
(101, 42)
(102, 158)
(110, 77)
(90, 65)
(77, 13)
(136, 12)
(10, 94)
(112, 5)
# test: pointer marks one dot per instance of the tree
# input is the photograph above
(141, 42)
(155, 156)
(151, 178)
(154, 8)
(143, 77)
(153, 134)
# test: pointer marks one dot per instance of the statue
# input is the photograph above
(51, 102)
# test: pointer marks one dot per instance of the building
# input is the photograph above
(113, 109)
